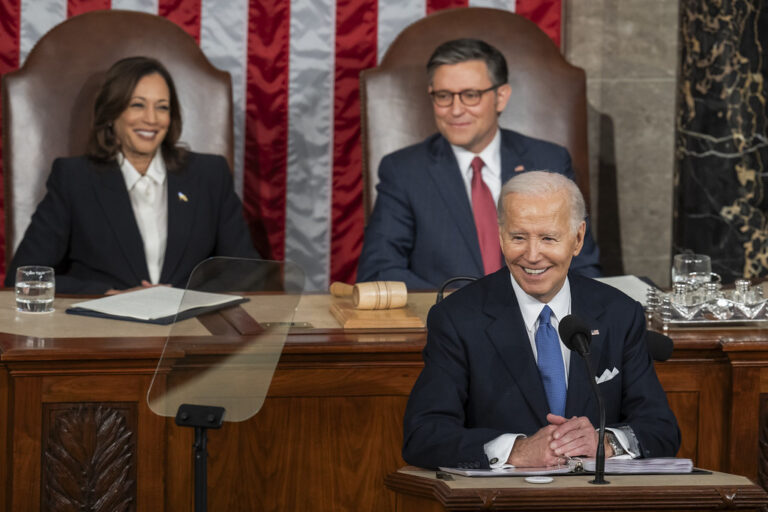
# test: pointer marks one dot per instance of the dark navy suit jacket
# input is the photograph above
(85, 227)
(422, 231)
(480, 378)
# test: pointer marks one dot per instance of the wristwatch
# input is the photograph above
(614, 444)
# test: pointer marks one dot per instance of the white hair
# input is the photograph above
(542, 183)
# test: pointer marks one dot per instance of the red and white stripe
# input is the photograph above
(294, 67)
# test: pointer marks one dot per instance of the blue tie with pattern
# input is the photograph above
(550, 361)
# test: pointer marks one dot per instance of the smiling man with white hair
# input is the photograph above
(499, 386)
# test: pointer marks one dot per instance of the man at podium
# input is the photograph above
(498, 385)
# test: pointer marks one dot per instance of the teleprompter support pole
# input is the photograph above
(201, 418)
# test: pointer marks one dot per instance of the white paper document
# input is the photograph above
(157, 304)
(631, 285)
(510, 471)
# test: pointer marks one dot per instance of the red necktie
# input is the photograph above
(484, 212)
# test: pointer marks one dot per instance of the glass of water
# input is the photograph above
(692, 269)
(35, 287)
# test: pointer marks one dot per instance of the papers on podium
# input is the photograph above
(614, 465)
(511, 471)
(631, 285)
(621, 465)
(156, 305)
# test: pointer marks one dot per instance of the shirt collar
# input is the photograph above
(530, 307)
(491, 156)
(156, 170)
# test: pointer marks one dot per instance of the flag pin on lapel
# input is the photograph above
(595, 332)
(182, 197)
(519, 168)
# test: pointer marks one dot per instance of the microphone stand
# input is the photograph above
(452, 280)
(600, 455)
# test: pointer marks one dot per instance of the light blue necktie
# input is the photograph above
(550, 361)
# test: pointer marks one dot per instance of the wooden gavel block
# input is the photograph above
(374, 294)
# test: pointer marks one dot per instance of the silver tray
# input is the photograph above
(661, 314)
(678, 323)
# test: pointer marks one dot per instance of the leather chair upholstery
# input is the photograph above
(548, 98)
(48, 102)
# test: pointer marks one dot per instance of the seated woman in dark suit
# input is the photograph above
(137, 210)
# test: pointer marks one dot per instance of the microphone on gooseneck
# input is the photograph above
(576, 335)
(450, 281)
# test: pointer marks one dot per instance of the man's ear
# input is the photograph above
(580, 238)
(502, 97)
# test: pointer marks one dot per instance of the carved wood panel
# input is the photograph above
(89, 457)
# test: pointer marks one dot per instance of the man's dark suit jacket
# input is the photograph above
(85, 227)
(422, 231)
(480, 379)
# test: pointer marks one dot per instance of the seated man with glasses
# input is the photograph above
(435, 211)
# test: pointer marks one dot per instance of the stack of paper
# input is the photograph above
(157, 305)
(652, 465)
(576, 465)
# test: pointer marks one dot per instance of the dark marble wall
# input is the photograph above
(721, 149)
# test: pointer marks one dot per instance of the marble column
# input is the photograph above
(721, 144)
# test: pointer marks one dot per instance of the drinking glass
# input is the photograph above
(35, 287)
(693, 269)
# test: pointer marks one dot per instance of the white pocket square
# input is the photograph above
(607, 375)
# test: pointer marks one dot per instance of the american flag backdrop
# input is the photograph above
(294, 67)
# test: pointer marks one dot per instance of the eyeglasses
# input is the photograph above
(469, 97)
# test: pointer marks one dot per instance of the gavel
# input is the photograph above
(374, 294)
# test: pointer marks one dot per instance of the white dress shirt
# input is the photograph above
(149, 199)
(491, 157)
(530, 308)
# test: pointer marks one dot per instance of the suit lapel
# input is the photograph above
(580, 394)
(182, 201)
(446, 176)
(112, 195)
(513, 156)
(510, 339)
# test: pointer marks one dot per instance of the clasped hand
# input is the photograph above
(553, 444)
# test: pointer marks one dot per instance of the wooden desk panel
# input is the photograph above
(698, 395)
(331, 427)
(65, 419)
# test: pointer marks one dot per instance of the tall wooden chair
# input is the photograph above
(548, 98)
(48, 102)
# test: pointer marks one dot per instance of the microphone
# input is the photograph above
(576, 335)
(659, 346)
(450, 281)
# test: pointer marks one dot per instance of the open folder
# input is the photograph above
(613, 465)
(156, 305)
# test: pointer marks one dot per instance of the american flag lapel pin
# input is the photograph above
(595, 332)
(183, 197)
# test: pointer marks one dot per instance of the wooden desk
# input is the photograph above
(73, 393)
(330, 429)
(419, 491)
